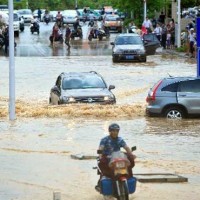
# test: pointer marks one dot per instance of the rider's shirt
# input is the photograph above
(110, 145)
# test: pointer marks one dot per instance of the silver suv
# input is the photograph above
(174, 97)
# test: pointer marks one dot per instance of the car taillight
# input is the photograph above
(152, 95)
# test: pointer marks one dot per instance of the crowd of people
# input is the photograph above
(165, 33)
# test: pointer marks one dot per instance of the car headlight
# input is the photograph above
(107, 98)
(68, 99)
(117, 51)
(141, 51)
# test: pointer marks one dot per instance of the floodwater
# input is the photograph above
(36, 149)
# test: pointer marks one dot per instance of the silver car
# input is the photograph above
(174, 97)
(82, 87)
(128, 47)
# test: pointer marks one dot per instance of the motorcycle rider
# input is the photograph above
(67, 36)
(56, 34)
(110, 144)
(59, 19)
(46, 16)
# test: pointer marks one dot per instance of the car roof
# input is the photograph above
(67, 74)
(175, 79)
(128, 34)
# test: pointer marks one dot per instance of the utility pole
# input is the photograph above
(11, 64)
(145, 9)
(179, 24)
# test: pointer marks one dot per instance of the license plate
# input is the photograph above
(113, 27)
(120, 171)
(129, 57)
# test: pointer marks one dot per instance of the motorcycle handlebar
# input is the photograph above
(134, 148)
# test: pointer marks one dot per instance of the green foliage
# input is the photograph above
(182, 48)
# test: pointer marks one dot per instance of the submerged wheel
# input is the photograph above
(123, 191)
(174, 113)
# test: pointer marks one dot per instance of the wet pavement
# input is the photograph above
(35, 149)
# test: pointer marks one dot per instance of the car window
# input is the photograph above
(83, 83)
(170, 88)
(189, 86)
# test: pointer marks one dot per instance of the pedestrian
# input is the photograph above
(147, 24)
(39, 14)
(192, 40)
(68, 36)
(164, 36)
(158, 32)
(162, 18)
(172, 31)
(168, 39)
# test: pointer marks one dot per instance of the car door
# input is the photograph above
(189, 95)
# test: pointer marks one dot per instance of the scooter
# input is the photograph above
(121, 185)
(96, 34)
(35, 27)
(77, 33)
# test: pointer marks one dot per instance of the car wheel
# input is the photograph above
(54, 99)
(144, 60)
(174, 113)
(114, 60)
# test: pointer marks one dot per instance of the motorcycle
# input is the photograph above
(35, 27)
(96, 34)
(58, 39)
(121, 185)
(47, 19)
(77, 33)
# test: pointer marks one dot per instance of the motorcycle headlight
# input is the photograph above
(120, 164)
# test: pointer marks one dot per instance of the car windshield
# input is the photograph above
(15, 17)
(126, 40)
(25, 12)
(84, 82)
(112, 18)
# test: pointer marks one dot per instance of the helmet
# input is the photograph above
(113, 126)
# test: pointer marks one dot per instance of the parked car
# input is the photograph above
(18, 23)
(129, 47)
(26, 14)
(84, 87)
(174, 97)
(151, 43)
(113, 22)
(69, 16)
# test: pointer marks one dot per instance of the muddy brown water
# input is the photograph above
(35, 149)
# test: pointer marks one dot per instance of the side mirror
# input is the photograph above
(133, 148)
(111, 87)
(99, 151)
(56, 89)
(112, 43)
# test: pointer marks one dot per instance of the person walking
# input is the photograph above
(68, 36)
(192, 40)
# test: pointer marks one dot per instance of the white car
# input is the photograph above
(69, 16)
(26, 14)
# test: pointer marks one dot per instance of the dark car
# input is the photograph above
(151, 43)
(83, 87)
(128, 47)
(174, 97)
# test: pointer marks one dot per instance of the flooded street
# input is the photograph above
(36, 149)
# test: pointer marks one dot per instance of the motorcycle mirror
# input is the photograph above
(133, 148)
(99, 151)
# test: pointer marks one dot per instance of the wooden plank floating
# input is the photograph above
(82, 157)
(160, 178)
